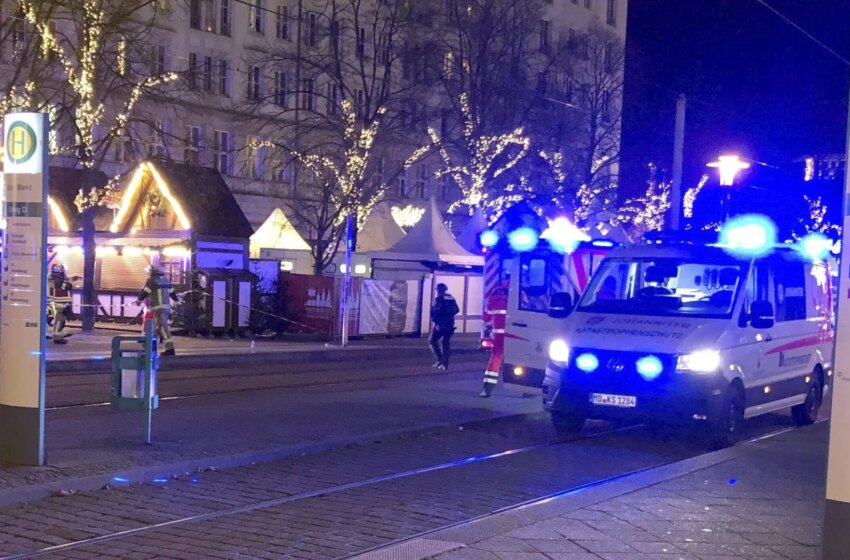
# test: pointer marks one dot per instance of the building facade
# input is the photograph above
(255, 81)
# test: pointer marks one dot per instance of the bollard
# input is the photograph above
(134, 375)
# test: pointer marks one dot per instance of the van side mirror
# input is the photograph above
(762, 315)
(560, 305)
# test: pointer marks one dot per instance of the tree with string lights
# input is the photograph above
(346, 136)
(95, 47)
(476, 161)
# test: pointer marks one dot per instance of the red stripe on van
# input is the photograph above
(800, 343)
(515, 337)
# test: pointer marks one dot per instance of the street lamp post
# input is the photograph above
(729, 166)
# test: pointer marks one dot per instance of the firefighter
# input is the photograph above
(59, 301)
(496, 314)
(159, 294)
(443, 316)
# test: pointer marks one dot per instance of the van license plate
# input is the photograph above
(601, 399)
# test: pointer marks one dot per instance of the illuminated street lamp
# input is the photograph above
(729, 167)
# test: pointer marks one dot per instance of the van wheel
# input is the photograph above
(807, 413)
(567, 424)
(727, 429)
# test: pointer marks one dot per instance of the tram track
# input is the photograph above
(303, 378)
(349, 491)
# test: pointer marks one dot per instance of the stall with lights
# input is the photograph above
(181, 218)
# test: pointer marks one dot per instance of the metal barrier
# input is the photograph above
(134, 374)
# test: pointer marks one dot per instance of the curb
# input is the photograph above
(146, 474)
(466, 533)
(221, 361)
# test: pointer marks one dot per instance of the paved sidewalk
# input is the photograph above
(90, 352)
(758, 501)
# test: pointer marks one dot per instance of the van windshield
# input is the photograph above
(665, 287)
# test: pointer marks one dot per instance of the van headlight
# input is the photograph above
(559, 351)
(701, 361)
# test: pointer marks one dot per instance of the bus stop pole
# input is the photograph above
(836, 537)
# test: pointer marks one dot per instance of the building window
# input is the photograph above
(282, 28)
(256, 16)
(192, 151)
(422, 182)
(607, 114)
(311, 36)
(222, 151)
(333, 99)
(156, 140)
(224, 20)
(160, 62)
(361, 104)
(255, 79)
(575, 2)
(195, 14)
(192, 77)
(281, 91)
(208, 74)
(609, 57)
(446, 188)
(545, 35)
(122, 149)
(402, 185)
(612, 13)
(209, 15)
(588, 4)
(223, 77)
(361, 42)
(254, 158)
(308, 99)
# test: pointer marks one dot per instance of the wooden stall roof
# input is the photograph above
(207, 200)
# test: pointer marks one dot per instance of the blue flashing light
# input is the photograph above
(649, 367)
(196, 480)
(489, 238)
(733, 481)
(35, 353)
(563, 236)
(587, 363)
(751, 235)
(160, 480)
(523, 239)
(816, 246)
(603, 243)
(120, 480)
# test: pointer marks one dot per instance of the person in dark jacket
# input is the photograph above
(443, 314)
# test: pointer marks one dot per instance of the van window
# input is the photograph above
(758, 288)
(790, 285)
(533, 284)
(668, 287)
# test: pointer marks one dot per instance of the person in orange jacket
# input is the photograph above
(495, 313)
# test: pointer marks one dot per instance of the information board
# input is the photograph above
(23, 291)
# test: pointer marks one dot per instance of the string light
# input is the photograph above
(647, 213)
(480, 154)
(691, 197)
(354, 196)
(408, 216)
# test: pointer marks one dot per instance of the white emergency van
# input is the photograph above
(533, 277)
(691, 333)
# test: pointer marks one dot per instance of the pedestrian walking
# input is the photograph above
(495, 314)
(59, 300)
(443, 314)
(159, 294)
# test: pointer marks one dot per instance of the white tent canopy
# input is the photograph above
(470, 235)
(380, 231)
(430, 240)
(277, 232)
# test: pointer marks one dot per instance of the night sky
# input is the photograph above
(755, 85)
